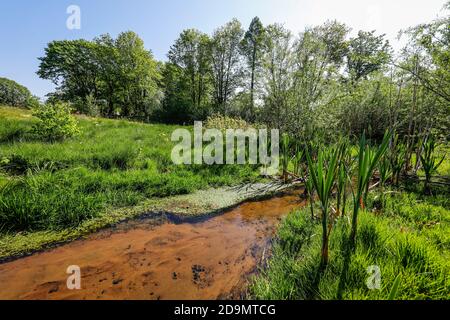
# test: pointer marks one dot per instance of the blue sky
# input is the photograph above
(26, 26)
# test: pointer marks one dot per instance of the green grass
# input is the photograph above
(111, 164)
(409, 238)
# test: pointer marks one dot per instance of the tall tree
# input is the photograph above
(190, 53)
(367, 53)
(177, 105)
(319, 53)
(71, 65)
(278, 66)
(251, 47)
(138, 75)
(108, 60)
(226, 62)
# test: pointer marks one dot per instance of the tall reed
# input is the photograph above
(367, 161)
(322, 175)
(385, 171)
(430, 162)
(344, 163)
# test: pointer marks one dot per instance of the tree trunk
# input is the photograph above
(426, 186)
(410, 137)
(252, 87)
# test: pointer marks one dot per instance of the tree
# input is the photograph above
(108, 60)
(366, 53)
(298, 74)
(71, 65)
(16, 95)
(190, 53)
(432, 42)
(121, 72)
(138, 76)
(251, 48)
(226, 62)
(424, 66)
(364, 105)
(319, 53)
(277, 64)
(177, 102)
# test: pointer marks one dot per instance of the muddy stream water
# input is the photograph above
(206, 258)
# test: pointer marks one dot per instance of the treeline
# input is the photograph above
(319, 82)
(16, 95)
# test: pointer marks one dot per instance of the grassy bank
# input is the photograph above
(52, 189)
(408, 238)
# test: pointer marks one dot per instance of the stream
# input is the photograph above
(206, 258)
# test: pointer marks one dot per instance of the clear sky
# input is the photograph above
(26, 26)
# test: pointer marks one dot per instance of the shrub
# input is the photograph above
(55, 122)
(16, 95)
(223, 122)
(89, 105)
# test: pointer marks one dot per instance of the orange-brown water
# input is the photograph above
(207, 259)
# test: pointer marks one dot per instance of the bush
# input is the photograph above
(89, 105)
(13, 94)
(55, 122)
(223, 122)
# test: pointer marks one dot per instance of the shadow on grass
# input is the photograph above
(348, 248)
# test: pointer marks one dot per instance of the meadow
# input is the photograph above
(110, 164)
